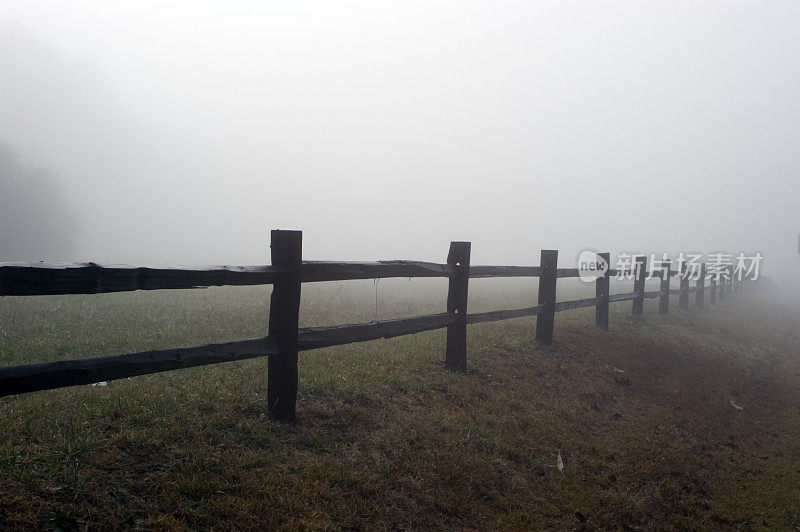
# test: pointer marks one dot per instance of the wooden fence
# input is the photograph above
(285, 339)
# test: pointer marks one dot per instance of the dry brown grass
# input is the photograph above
(388, 439)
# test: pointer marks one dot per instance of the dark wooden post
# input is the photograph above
(284, 310)
(638, 284)
(683, 297)
(699, 294)
(663, 299)
(713, 299)
(547, 296)
(457, 295)
(601, 292)
(730, 281)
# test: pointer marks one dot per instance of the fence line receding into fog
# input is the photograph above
(285, 338)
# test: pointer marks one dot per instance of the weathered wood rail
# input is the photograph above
(285, 339)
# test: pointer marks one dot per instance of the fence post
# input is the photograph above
(457, 295)
(284, 309)
(713, 299)
(683, 297)
(601, 292)
(700, 292)
(663, 298)
(545, 320)
(638, 284)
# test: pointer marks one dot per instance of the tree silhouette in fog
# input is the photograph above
(36, 223)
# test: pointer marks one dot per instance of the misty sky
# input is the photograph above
(181, 132)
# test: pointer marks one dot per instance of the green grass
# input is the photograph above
(387, 438)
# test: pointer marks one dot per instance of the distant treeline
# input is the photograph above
(36, 221)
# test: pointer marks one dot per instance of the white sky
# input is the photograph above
(184, 131)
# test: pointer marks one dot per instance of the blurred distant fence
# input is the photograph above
(285, 339)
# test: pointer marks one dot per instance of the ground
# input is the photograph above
(685, 421)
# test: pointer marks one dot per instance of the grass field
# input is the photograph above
(642, 415)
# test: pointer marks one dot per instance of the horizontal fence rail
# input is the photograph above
(91, 278)
(499, 315)
(312, 271)
(286, 339)
(503, 271)
(316, 337)
(28, 279)
(50, 375)
(576, 303)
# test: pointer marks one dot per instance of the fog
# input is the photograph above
(182, 132)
